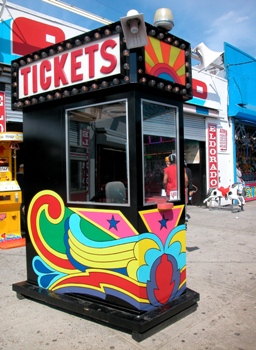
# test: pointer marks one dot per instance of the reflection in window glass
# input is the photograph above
(160, 125)
(97, 149)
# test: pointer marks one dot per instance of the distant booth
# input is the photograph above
(10, 191)
(99, 114)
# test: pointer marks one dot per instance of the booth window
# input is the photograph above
(160, 139)
(97, 151)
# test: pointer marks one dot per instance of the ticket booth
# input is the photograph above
(10, 191)
(99, 119)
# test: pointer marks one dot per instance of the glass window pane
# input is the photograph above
(160, 140)
(97, 149)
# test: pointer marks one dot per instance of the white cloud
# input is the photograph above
(232, 29)
(230, 23)
(242, 19)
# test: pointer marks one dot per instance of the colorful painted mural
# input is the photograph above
(165, 61)
(97, 252)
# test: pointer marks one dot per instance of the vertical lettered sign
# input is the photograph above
(212, 155)
(85, 171)
(223, 139)
(2, 112)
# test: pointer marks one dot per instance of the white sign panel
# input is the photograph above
(87, 62)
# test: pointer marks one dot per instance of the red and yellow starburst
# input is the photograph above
(165, 61)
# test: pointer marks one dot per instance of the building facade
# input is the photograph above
(241, 75)
(207, 133)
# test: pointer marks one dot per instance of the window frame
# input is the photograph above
(68, 158)
(177, 145)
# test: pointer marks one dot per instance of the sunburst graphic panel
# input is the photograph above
(165, 61)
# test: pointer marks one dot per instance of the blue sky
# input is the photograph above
(210, 21)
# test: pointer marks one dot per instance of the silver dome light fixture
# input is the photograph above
(164, 18)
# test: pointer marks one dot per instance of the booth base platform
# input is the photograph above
(140, 325)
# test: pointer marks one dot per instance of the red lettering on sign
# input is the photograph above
(45, 81)
(199, 89)
(90, 51)
(35, 80)
(108, 56)
(75, 65)
(212, 155)
(92, 61)
(24, 71)
(59, 73)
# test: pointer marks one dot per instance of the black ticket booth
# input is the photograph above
(99, 118)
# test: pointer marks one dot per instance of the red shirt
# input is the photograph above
(171, 172)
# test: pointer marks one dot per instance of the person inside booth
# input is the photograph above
(170, 178)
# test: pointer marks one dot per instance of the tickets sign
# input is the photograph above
(81, 64)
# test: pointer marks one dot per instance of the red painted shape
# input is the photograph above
(29, 35)
(199, 89)
(224, 191)
(165, 286)
(165, 206)
(101, 279)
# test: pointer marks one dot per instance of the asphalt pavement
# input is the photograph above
(221, 266)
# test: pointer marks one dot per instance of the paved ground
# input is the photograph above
(221, 264)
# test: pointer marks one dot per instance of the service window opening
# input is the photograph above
(97, 154)
(160, 140)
